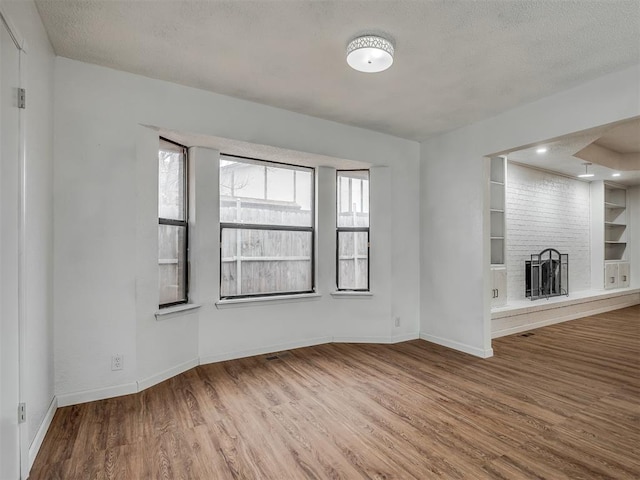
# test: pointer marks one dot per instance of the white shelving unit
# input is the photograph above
(497, 187)
(615, 223)
(616, 266)
(610, 229)
(497, 184)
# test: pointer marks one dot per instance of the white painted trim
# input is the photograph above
(130, 388)
(167, 374)
(18, 39)
(564, 318)
(351, 294)
(273, 300)
(461, 347)
(84, 396)
(22, 258)
(171, 312)
(42, 431)
(263, 350)
(405, 337)
(578, 298)
(125, 389)
(360, 339)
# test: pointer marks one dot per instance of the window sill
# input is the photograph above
(171, 312)
(255, 301)
(351, 294)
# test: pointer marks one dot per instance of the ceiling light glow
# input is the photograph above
(615, 174)
(370, 54)
(542, 150)
(586, 173)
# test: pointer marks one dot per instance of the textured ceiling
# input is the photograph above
(457, 61)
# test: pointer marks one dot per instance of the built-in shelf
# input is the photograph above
(615, 223)
(610, 236)
(497, 197)
(497, 251)
(497, 179)
(614, 251)
(613, 205)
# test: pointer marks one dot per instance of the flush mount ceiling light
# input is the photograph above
(586, 173)
(370, 54)
(615, 174)
(542, 150)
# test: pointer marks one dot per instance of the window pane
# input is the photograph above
(353, 261)
(171, 262)
(171, 178)
(280, 184)
(265, 261)
(353, 198)
(265, 193)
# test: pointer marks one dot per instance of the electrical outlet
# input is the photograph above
(397, 321)
(117, 361)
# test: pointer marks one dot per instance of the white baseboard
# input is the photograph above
(125, 389)
(129, 388)
(75, 398)
(405, 337)
(34, 448)
(264, 350)
(462, 347)
(167, 374)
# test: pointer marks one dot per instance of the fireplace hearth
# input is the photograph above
(547, 274)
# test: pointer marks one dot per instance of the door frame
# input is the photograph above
(23, 430)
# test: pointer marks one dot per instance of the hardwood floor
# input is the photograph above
(562, 403)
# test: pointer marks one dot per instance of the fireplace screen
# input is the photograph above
(547, 274)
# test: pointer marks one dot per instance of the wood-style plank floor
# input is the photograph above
(562, 403)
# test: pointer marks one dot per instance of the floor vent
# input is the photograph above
(527, 334)
(278, 355)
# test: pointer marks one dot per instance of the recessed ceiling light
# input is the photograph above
(370, 54)
(542, 150)
(615, 174)
(586, 173)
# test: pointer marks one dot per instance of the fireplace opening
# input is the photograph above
(547, 274)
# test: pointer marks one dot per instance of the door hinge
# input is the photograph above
(22, 412)
(22, 98)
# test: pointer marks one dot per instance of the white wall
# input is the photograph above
(105, 233)
(104, 278)
(545, 210)
(455, 283)
(37, 78)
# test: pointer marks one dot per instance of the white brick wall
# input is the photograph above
(544, 210)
